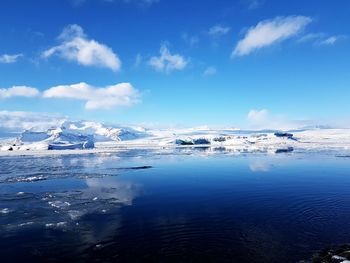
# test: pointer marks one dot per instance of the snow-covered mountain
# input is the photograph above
(102, 132)
(72, 135)
(79, 135)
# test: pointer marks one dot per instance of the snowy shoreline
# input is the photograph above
(272, 149)
(91, 137)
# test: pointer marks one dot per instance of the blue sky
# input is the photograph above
(169, 62)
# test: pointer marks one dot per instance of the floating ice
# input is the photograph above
(4, 211)
(59, 204)
(56, 225)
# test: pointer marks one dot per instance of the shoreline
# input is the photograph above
(272, 149)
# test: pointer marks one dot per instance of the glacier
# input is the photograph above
(92, 136)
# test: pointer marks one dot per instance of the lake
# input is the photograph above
(180, 205)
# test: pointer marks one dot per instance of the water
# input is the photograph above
(173, 206)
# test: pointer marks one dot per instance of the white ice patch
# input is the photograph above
(31, 178)
(26, 224)
(75, 214)
(58, 225)
(344, 260)
(4, 211)
(59, 204)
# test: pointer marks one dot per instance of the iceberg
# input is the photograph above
(98, 137)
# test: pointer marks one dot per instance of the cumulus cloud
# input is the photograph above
(18, 121)
(258, 116)
(217, 31)
(269, 32)
(8, 59)
(209, 71)
(167, 62)
(18, 91)
(122, 94)
(76, 46)
(264, 119)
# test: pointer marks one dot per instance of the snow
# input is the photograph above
(70, 136)
(87, 136)
(6, 148)
(343, 259)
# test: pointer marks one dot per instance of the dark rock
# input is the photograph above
(183, 142)
(140, 167)
(284, 150)
(201, 141)
(283, 134)
(219, 139)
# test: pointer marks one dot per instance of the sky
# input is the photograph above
(164, 63)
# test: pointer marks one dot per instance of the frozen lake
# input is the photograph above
(179, 205)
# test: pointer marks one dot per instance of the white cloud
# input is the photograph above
(76, 46)
(190, 40)
(311, 37)
(321, 38)
(217, 31)
(258, 116)
(138, 60)
(209, 71)
(329, 41)
(263, 119)
(18, 91)
(17, 121)
(168, 62)
(7, 59)
(269, 32)
(122, 94)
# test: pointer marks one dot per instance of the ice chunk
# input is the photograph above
(4, 211)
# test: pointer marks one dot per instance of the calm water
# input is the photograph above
(181, 206)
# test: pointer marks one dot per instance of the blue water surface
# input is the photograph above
(173, 206)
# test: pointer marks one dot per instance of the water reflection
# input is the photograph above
(116, 191)
(192, 205)
(42, 204)
(260, 166)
